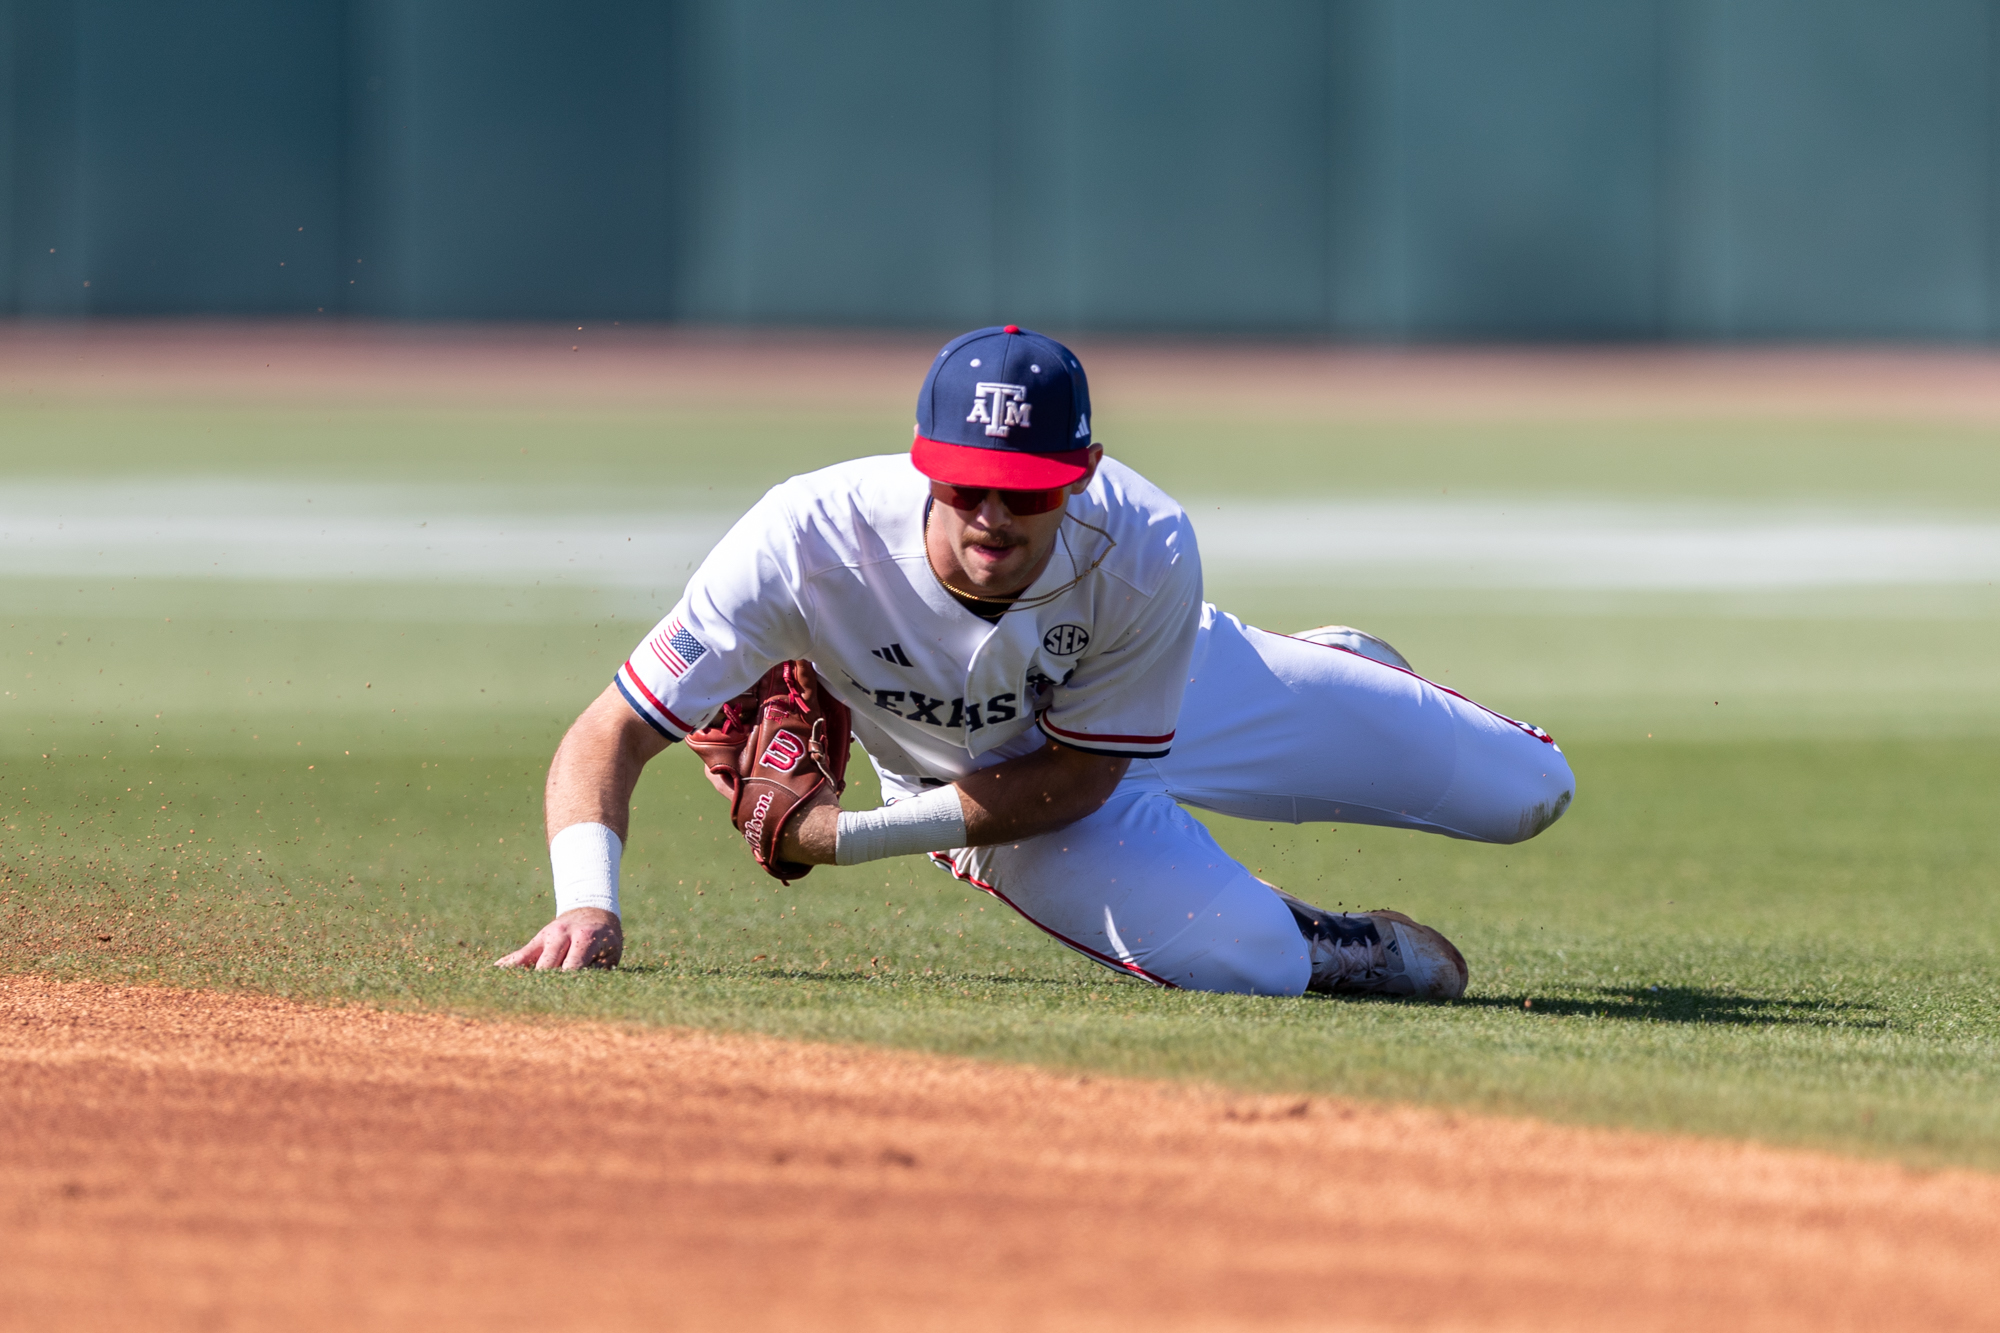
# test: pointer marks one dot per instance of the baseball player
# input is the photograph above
(1016, 625)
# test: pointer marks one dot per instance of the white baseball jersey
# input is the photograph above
(831, 566)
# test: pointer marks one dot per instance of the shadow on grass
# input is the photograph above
(836, 977)
(1664, 1004)
(1689, 1004)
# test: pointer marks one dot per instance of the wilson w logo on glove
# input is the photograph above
(784, 752)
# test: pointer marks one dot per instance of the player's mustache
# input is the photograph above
(976, 537)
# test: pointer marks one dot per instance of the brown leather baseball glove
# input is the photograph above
(770, 750)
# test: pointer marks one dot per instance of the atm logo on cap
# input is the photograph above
(1000, 406)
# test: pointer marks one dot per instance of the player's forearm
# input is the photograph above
(597, 767)
(1034, 794)
(588, 807)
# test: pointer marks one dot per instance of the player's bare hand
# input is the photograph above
(579, 938)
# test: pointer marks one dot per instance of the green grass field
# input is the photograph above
(1773, 911)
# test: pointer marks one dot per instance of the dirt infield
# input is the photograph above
(613, 366)
(178, 1160)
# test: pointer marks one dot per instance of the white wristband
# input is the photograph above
(932, 822)
(585, 860)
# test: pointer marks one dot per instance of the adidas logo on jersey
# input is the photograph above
(893, 654)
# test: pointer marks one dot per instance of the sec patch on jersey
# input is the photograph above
(1066, 640)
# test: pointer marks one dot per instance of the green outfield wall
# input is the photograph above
(1365, 169)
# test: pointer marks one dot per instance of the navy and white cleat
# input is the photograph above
(1378, 953)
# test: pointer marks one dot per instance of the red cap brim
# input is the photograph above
(964, 465)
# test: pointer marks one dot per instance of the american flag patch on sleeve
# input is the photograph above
(676, 648)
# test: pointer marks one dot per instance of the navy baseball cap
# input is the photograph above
(1004, 407)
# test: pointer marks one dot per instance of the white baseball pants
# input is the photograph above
(1277, 729)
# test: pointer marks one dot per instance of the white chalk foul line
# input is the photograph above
(243, 531)
(239, 530)
(1594, 546)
